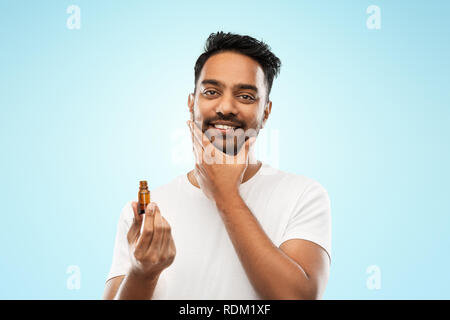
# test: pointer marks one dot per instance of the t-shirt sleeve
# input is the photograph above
(121, 258)
(311, 218)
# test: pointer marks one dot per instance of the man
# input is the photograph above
(233, 227)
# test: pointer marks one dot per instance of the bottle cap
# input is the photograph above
(143, 184)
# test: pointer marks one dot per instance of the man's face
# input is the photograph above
(231, 91)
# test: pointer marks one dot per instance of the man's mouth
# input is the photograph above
(224, 128)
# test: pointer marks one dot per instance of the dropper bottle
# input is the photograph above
(143, 196)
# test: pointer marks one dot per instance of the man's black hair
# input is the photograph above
(255, 49)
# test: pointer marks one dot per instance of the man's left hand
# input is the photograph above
(218, 174)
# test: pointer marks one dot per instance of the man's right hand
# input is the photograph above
(150, 242)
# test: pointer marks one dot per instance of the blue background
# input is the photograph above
(87, 113)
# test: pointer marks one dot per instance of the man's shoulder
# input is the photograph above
(286, 179)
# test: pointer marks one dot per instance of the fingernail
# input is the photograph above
(151, 207)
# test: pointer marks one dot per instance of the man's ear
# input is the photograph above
(267, 110)
(191, 105)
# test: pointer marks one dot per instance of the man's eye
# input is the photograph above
(247, 97)
(211, 91)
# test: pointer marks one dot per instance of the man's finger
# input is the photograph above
(202, 138)
(165, 241)
(137, 216)
(193, 143)
(198, 150)
(134, 231)
(147, 228)
(158, 233)
(197, 134)
(250, 141)
(242, 155)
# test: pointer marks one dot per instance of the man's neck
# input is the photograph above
(250, 171)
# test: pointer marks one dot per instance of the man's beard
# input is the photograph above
(231, 141)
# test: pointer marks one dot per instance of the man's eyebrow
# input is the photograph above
(215, 82)
(246, 86)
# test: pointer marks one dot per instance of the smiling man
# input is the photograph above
(233, 227)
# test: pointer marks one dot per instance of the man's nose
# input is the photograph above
(227, 105)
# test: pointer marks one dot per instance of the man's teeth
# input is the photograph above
(224, 127)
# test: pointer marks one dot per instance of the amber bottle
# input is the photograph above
(143, 196)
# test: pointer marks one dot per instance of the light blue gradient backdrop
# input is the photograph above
(87, 113)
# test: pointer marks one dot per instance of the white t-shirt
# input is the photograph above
(206, 265)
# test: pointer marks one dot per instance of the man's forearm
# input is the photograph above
(272, 273)
(135, 287)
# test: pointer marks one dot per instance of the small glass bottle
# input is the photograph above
(143, 196)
